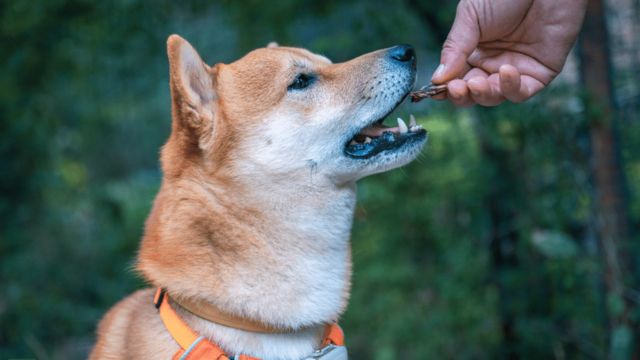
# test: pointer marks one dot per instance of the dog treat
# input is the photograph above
(428, 91)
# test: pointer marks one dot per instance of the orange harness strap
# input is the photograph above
(194, 347)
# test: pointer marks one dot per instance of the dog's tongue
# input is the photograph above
(377, 130)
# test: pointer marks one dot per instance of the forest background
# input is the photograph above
(514, 235)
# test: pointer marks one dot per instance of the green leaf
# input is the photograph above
(554, 244)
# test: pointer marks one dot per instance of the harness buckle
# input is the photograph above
(329, 352)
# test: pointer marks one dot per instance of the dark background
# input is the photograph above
(514, 235)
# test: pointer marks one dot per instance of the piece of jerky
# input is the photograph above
(427, 92)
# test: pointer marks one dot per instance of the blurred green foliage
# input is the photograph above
(84, 109)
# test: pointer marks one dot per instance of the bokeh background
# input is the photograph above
(514, 235)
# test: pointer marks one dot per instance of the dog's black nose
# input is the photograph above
(402, 53)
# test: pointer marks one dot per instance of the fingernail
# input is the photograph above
(439, 71)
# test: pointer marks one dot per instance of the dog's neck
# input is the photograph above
(277, 253)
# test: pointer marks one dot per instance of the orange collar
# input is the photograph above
(194, 347)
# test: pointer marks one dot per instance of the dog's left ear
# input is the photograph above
(191, 82)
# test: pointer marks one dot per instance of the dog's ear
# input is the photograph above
(191, 82)
(272, 44)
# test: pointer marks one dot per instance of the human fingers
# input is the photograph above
(530, 86)
(458, 93)
(445, 95)
(516, 87)
(485, 90)
(457, 89)
(493, 60)
(441, 96)
(510, 84)
(472, 73)
(460, 43)
(475, 72)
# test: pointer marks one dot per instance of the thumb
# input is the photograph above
(461, 42)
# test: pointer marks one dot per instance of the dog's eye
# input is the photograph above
(301, 81)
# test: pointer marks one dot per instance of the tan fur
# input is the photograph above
(229, 229)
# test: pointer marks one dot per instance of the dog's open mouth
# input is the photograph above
(377, 137)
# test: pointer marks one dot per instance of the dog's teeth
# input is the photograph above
(415, 128)
(412, 121)
(367, 140)
(353, 142)
(402, 126)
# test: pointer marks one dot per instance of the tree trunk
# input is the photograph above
(501, 203)
(611, 219)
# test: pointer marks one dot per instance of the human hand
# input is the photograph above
(506, 49)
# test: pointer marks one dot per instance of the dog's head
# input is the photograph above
(284, 112)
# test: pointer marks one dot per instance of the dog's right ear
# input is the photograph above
(191, 82)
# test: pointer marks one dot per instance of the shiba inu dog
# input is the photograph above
(249, 233)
